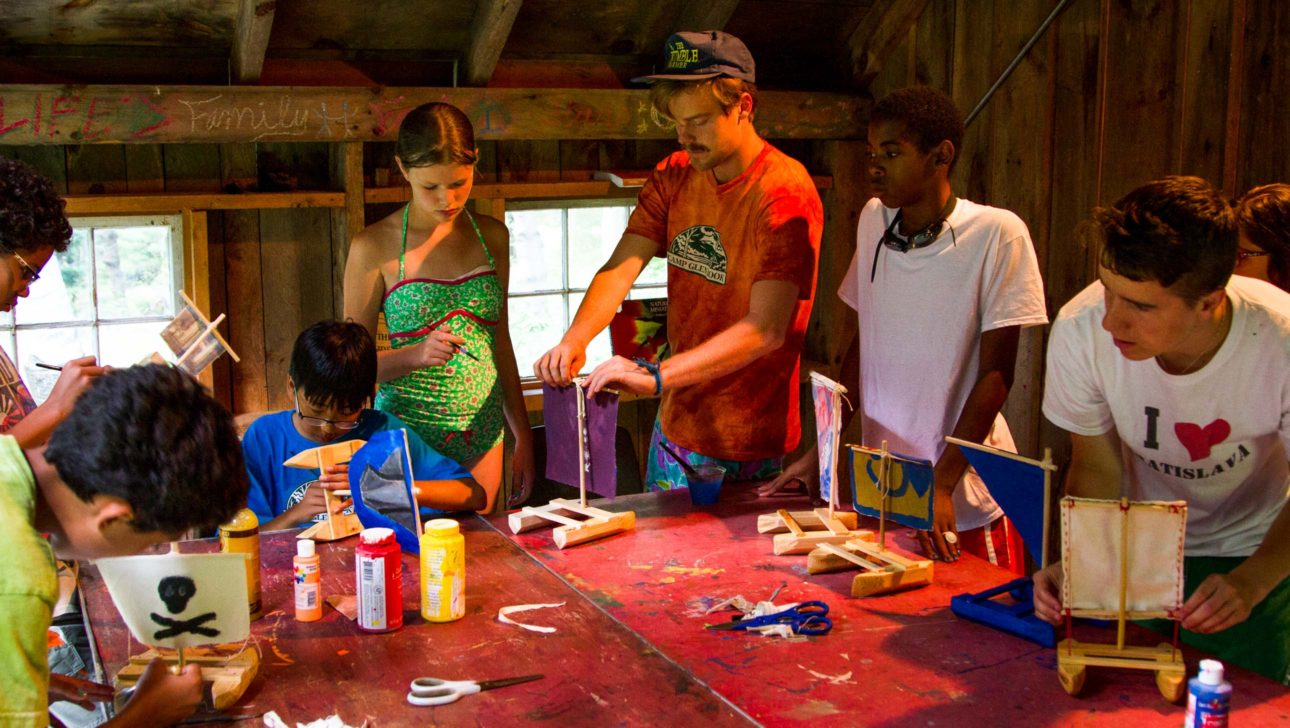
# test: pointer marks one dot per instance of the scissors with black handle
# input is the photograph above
(807, 618)
(433, 691)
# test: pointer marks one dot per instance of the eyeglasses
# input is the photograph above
(1243, 255)
(29, 273)
(322, 421)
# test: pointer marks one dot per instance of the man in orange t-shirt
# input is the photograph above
(739, 222)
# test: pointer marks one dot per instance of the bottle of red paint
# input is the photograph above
(378, 568)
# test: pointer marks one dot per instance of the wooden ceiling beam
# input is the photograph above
(251, 39)
(489, 30)
(885, 25)
(46, 114)
(711, 15)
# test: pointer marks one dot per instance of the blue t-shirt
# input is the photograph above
(273, 439)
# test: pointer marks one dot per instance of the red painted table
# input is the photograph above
(597, 672)
(897, 660)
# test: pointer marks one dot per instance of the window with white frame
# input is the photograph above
(556, 249)
(108, 295)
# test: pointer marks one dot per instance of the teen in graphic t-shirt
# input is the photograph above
(739, 223)
(1173, 379)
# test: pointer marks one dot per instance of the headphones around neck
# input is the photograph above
(917, 239)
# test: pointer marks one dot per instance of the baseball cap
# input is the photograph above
(696, 55)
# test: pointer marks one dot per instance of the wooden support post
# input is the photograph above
(489, 29)
(251, 39)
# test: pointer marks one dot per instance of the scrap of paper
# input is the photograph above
(273, 720)
(346, 604)
(503, 615)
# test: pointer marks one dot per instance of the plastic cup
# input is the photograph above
(705, 484)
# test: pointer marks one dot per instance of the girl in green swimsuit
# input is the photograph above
(439, 275)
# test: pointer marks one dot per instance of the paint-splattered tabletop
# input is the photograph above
(897, 660)
(597, 672)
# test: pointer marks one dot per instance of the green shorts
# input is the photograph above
(1260, 644)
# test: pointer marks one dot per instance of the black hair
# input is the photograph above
(1263, 215)
(334, 363)
(1177, 231)
(436, 133)
(930, 117)
(153, 437)
(31, 212)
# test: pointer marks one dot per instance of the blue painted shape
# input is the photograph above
(1018, 488)
(910, 500)
(380, 481)
(1016, 619)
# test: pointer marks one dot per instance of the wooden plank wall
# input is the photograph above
(273, 271)
(1118, 92)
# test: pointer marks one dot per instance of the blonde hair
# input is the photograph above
(725, 90)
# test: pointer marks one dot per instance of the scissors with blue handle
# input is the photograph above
(806, 618)
(433, 691)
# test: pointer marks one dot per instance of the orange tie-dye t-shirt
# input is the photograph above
(719, 240)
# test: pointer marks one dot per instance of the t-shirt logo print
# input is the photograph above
(698, 249)
(1200, 440)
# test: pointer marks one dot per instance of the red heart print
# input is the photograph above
(1200, 440)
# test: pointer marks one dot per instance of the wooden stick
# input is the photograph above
(790, 522)
(883, 466)
(582, 450)
(1124, 572)
(1048, 467)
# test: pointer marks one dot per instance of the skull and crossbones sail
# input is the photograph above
(180, 600)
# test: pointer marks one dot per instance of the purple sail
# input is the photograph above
(560, 414)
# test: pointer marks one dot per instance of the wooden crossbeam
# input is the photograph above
(878, 35)
(48, 114)
(489, 29)
(251, 39)
(881, 570)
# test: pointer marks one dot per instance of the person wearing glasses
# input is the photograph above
(1172, 377)
(1263, 248)
(942, 288)
(332, 376)
(32, 228)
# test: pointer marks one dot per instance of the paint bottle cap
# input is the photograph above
(442, 527)
(305, 547)
(376, 536)
(1211, 672)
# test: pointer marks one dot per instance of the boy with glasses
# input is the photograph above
(332, 376)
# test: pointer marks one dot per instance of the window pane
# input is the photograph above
(639, 293)
(52, 346)
(599, 349)
(134, 272)
(537, 323)
(537, 240)
(593, 234)
(121, 345)
(52, 299)
(655, 272)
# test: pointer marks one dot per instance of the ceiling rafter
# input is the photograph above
(489, 29)
(251, 39)
(878, 35)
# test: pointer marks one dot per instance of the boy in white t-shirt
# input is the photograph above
(1173, 379)
(942, 287)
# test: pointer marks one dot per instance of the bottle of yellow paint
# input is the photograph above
(443, 571)
(242, 536)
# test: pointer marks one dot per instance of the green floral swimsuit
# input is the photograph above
(455, 408)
